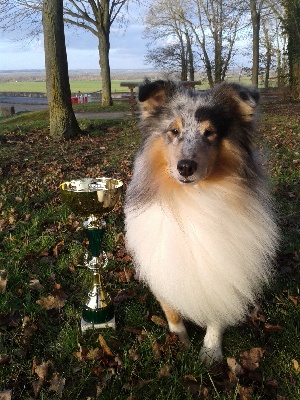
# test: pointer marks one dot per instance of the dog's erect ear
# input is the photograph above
(153, 95)
(242, 98)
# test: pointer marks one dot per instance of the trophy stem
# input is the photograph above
(98, 311)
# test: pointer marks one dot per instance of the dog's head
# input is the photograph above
(204, 134)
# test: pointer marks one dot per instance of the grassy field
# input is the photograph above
(87, 86)
(43, 282)
(83, 86)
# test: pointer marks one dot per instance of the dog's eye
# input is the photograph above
(175, 132)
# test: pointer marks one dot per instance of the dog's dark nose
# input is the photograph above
(187, 167)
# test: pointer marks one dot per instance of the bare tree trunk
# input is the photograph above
(105, 71)
(268, 45)
(183, 72)
(104, 47)
(293, 31)
(62, 119)
(190, 57)
(255, 18)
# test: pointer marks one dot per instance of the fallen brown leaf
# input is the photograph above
(245, 392)
(94, 354)
(296, 365)
(5, 395)
(35, 284)
(235, 367)
(51, 302)
(294, 300)
(272, 328)
(3, 280)
(104, 346)
(165, 371)
(4, 359)
(13, 319)
(250, 359)
(57, 247)
(156, 350)
(28, 330)
(41, 371)
(159, 321)
(134, 355)
(81, 354)
(135, 331)
(190, 382)
(57, 384)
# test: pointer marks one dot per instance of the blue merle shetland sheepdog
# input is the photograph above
(198, 215)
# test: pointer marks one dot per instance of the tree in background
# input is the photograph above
(95, 16)
(292, 26)
(169, 58)
(165, 24)
(206, 28)
(215, 28)
(62, 119)
(255, 8)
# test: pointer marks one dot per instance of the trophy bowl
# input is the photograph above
(91, 198)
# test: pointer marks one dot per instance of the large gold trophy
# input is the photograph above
(91, 198)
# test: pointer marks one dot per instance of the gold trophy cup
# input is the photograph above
(91, 198)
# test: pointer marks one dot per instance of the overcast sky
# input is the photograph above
(127, 50)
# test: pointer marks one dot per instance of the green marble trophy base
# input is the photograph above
(85, 326)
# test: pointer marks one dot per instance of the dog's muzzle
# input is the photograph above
(187, 168)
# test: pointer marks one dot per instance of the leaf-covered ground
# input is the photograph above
(43, 281)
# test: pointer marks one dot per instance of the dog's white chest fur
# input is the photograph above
(204, 251)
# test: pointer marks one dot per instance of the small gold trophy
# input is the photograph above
(91, 198)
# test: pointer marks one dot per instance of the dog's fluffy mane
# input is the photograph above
(205, 249)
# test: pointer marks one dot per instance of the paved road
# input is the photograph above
(37, 104)
(24, 103)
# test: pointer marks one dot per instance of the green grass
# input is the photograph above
(76, 86)
(90, 86)
(40, 239)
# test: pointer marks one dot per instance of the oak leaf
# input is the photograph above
(51, 302)
(3, 280)
(57, 384)
(35, 284)
(159, 321)
(296, 365)
(156, 350)
(5, 395)
(41, 371)
(235, 367)
(165, 371)
(4, 359)
(250, 359)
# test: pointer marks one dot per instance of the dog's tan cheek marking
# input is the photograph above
(226, 163)
(159, 164)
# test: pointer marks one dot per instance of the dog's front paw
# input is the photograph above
(212, 345)
(211, 354)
